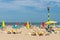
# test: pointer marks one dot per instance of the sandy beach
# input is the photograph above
(27, 37)
(24, 35)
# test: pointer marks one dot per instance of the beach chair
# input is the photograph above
(8, 32)
(13, 32)
(40, 33)
(48, 30)
(33, 33)
(52, 30)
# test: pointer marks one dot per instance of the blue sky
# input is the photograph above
(29, 10)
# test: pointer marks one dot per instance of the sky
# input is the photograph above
(29, 10)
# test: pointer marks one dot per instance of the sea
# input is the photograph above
(22, 23)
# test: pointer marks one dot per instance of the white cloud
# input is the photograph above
(53, 3)
(19, 3)
(57, 4)
(16, 4)
(52, 0)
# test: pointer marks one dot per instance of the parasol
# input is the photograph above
(51, 22)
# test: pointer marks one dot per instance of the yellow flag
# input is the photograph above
(3, 24)
(28, 25)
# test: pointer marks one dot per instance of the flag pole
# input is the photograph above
(48, 14)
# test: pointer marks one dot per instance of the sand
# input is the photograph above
(24, 35)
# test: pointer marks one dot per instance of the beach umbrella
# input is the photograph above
(50, 22)
(3, 23)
